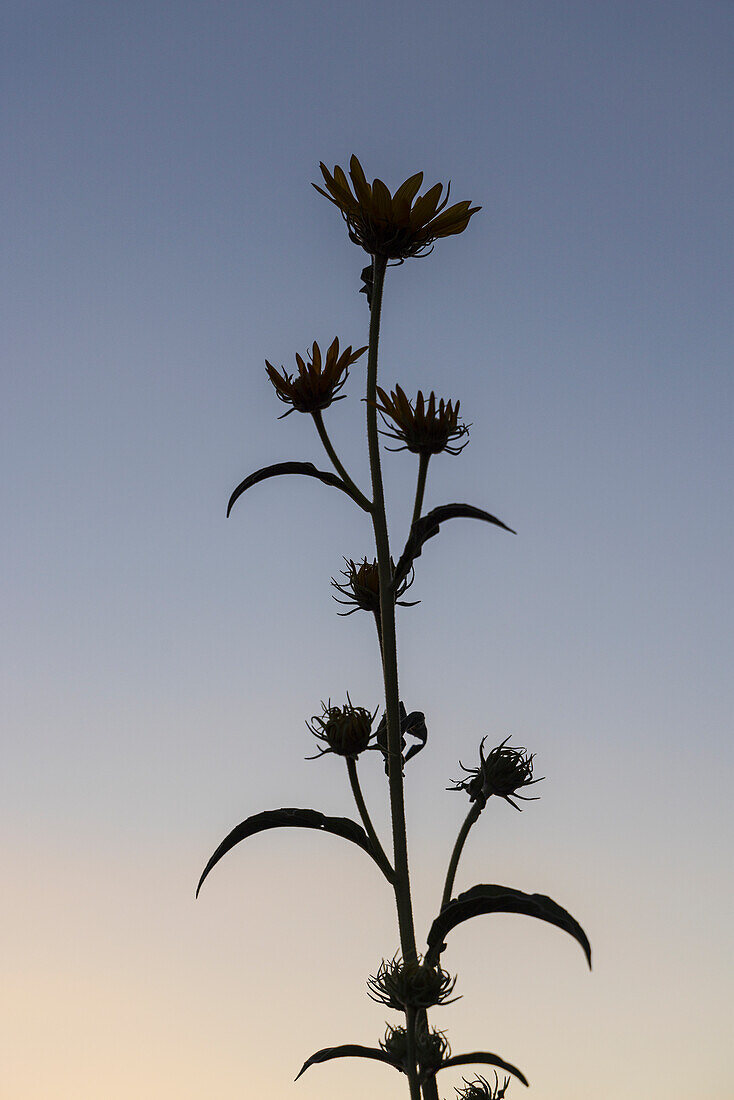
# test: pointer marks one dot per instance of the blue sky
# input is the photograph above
(162, 241)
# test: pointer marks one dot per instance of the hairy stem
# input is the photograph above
(471, 817)
(386, 629)
(367, 821)
(387, 632)
(410, 1053)
(420, 487)
(354, 492)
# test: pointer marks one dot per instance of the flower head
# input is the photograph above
(362, 587)
(480, 1089)
(425, 428)
(394, 226)
(317, 381)
(402, 985)
(345, 730)
(503, 773)
(432, 1046)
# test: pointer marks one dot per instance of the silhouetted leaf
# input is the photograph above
(349, 1050)
(414, 724)
(501, 899)
(289, 818)
(481, 1057)
(428, 526)
(307, 468)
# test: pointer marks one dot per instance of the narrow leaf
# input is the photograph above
(481, 1057)
(349, 1050)
(307, 468)
(428, 526)
(501, 899)
(289, 818)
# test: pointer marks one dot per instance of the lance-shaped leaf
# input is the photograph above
(349, 1050)
(501, 899)
(428, 526)
(480, 1057)
(307, 468)
(289, 818)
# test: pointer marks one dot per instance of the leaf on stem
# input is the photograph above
(428, 526)
(414, 724)
(480, 1057)
(348, 1050)
(307, 468)
(501, 899)
(289, 818)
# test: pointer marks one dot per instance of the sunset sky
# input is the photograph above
(162, 239)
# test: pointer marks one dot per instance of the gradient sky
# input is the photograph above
(162, 240)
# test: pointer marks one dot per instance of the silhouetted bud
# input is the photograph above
(410, 985)
(345, 730)
(503, 773)
(362, 587)
(431, 1046)
(480, 1089)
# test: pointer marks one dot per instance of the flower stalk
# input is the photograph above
(357, 495)
(361, 805)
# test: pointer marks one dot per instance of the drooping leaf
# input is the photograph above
(413, 724)
(428, 526)
(501, 899)
(349, 1050)
(480, 1057)
(289, 817)
(307, 468)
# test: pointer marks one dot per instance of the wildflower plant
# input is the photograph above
(392, 228)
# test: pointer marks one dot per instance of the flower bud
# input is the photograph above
(361, 588)
(402, 985)
(480, 1089)
(503, 773)
(345, 730)
(431, 1046)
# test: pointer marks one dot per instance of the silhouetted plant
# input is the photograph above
(396, 227)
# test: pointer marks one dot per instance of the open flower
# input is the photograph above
(424, 429)
(480, 1089)
(346, 730)
(503, 773)
(362, 587)
(394, 226)
(317, 381)
(402, 985)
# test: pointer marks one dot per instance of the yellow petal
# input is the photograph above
(405, 194)
(425, 207)
(361, 187)
(381, 201)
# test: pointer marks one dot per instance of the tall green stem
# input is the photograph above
(401, 883)
(387, 624)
